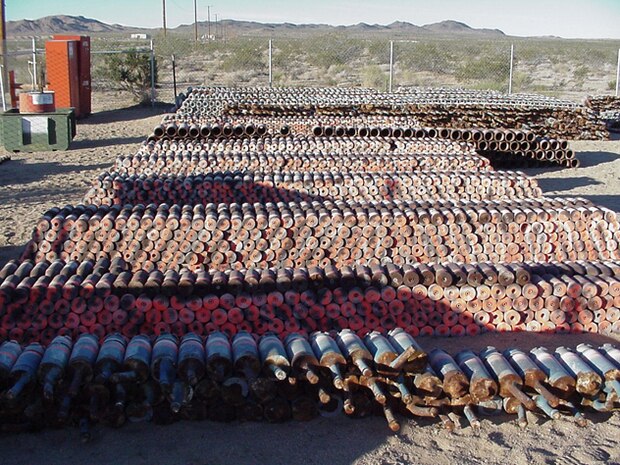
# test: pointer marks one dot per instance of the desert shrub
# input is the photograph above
(425, 57)
(581, 73)
(484, 67)
(374, 77)
(522, 82)
(245, 55)
(331, 50)
(131, 71)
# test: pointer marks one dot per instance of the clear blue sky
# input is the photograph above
(566, 18)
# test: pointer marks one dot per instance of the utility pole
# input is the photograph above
(195, 21)
(4, 70)
(164, 16)
(209, 21)
(216, 25)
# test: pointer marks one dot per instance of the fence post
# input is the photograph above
(2, 87)
(391, 66)
(174, 77)
(270, 63)
(618, 75)
(34, 63)
(512, 59)
(153, 75)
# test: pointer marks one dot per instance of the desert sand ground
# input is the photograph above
(32, 183)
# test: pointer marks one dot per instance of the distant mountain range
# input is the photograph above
(82, 25)
(60, 24)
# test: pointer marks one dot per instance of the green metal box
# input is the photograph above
(37, 132)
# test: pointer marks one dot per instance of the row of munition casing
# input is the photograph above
(310, 144)
(254, 379)
(175, 126)
(522, 143)
(366, 98)
(199, 163)
(239, 187)
(462, 96)
(336, 126)
(214, 101)
(580, 123)
(603, 102)
(41, 300)
(506, 147)
(299, 154)
(515, 380)
(553, 118)
(340, 233)
(129, 379)
(187, 126)
(607, 108)
(530, 159)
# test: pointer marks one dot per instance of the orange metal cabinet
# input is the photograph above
(62, 73)
(83, 70)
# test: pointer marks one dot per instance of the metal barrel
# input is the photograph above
(561, 381)
(543, 405)
(9, 353)
(381, 349)
(599, 362)
(472, 418)
(522, 417)
(180, 395)
(612, 353)
(428, 383)
(602, 365)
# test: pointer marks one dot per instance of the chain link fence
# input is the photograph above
(171, 63)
